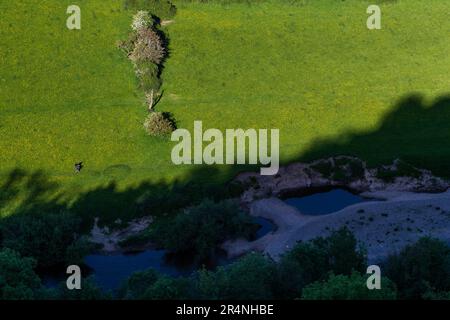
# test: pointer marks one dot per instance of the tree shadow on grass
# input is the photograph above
(413, 131)
(25, 193)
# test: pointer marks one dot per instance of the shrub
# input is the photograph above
(352, 287)
(76, 251)
(168, 288)
(148, 47)
(135, 286)
(250, 278)
(90, 291)
(18, 280)
(312, 261)
(148, 75)
(302, 265)
(344, 254)
(142, 20)
(45, 237)
(159, 124)
(127, 46)
(201, 228)
(150, 285)
(401, 169)
(420, 269)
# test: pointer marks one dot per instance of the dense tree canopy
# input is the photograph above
(201, 228)
(45, 237)
(251, 277)
(18, 281)
(308, 262)
(421, 269)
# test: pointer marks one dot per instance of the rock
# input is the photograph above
(342, 171)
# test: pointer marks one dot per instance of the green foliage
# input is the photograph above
(89, 292)
(324, 167)
(45, 237)
(402, 169)
(18, 281)
(148, 75)
(312, 261)
(348, 287)
(160, 8)
(420, 269)
(142, 20)
(136, 285)
(146, 47)
(127, 46)
(302, 265)
(343, 253)
(150, 285)
(201, 228)
(168, 288)
(159, 124)
(251, 277)
(432, 295)
(343, 169)
(348, 169)
(78, 249)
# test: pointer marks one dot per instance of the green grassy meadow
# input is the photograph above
(314, 71)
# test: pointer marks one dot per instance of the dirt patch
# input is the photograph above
(110, 239)
(165, 23)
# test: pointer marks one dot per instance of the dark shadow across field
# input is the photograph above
(413, 131)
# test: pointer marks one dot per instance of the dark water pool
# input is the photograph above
(110, 271)
(325, 202)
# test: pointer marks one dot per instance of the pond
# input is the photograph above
(110, 271)
(325, 202)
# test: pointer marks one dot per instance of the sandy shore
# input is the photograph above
(383, 227)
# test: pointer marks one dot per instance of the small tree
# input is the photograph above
(200, 229)
(148, 47)
(142, 20)
(344, 253)
(159, 124)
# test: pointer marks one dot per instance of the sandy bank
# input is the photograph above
(384, 227)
